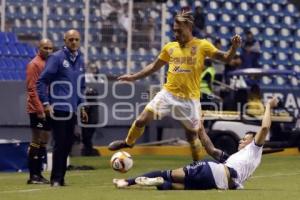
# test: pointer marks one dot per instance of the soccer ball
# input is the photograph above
(121, 162)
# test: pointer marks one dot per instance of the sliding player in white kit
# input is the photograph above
(201, 175)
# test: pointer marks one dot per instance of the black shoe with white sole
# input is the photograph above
(118, 144)
(37, 179)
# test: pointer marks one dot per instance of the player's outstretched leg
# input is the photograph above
(195, 144)
(154, 178)
(146, 181)
(133, 134)
(135, 131)
(142, 180)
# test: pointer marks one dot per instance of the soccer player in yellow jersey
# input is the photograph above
(180, 95)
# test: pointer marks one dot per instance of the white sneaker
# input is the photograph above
(145, 181)
(120, 183)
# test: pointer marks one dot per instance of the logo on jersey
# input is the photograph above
(179, 70)
(66, 64)
(188, 60)
(193, 50)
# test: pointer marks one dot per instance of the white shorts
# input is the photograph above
(188, 112)
(219, 174)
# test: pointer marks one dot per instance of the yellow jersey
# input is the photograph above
(185, 66)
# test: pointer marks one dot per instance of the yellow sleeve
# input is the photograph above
(164, 54)
(209, 49)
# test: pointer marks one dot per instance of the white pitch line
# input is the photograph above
(104, 185)
(14, 176)
(23, 191)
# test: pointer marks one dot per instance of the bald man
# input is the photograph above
(64, 75)
(39, 124)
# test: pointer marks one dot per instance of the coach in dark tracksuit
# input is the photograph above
(59, 88)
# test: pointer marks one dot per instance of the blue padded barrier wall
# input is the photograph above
(13, 156)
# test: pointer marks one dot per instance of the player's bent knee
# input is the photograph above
(191, 135)
(140, 122)
(143, 119)
(178, 175)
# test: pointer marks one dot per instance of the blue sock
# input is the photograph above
(165, 174)
(165, 186)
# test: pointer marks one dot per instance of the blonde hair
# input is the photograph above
(185, 17)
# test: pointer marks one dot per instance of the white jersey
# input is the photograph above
(245, 162)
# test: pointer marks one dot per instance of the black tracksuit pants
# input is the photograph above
(63, 136)
(87, 137)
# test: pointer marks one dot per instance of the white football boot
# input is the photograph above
(120, 183)
(145, 181)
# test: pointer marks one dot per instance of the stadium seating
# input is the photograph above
(14, 56)
(107, 40)
(275, 23)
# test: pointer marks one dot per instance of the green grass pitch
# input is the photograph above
(278, 177)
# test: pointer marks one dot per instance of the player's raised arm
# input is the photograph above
(149, 69)
(217, 154)
(227, 56)
(266, 122)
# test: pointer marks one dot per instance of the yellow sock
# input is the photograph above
(196, 149)
(134, 133)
